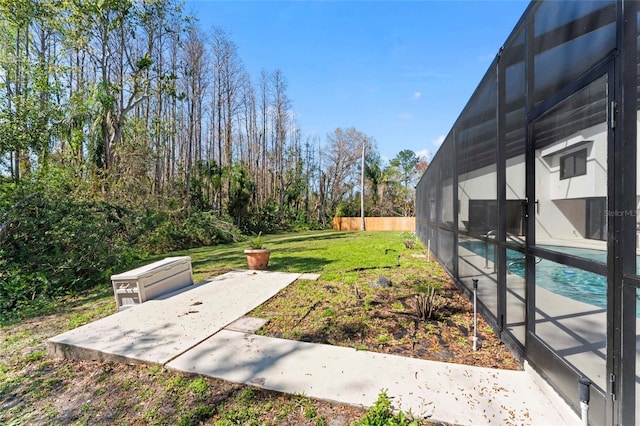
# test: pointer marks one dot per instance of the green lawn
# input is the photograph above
(37, 390)
(336, 255)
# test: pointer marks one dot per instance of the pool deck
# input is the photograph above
(576, 331)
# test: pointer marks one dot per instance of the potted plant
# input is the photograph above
(257, 254)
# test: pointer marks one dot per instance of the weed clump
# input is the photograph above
(381, 414)
(427, 301)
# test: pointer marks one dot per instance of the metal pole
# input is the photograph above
(362, 187)
(486, 255)
(584, 385)
(475, 314)
(429, 250)
(495, 257)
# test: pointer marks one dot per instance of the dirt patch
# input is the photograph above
(92, 392)
(363, 315)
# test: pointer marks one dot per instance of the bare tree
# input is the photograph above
(264, 123)
(228, 76)
(344, 148)
(280, 105)
(195, 62)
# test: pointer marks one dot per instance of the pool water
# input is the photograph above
(574, 283)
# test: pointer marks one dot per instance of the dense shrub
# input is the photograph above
(196, 230)
(55, 242)
(52, 246)
(266, 219)
(348, 209)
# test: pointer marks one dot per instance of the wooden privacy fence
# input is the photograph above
(407, 224)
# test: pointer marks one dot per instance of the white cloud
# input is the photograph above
(405, 116)
(416, 95)
(438, 141)
(424, 154)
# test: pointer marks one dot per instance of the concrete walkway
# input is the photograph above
(191, 335)
(451, 393)
(159, 330)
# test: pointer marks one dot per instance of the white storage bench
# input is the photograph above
(151, 281)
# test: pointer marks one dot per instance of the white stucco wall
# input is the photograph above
(447, 201)
(561, 209)
(479, 184)
(593, 184)
(516, 178)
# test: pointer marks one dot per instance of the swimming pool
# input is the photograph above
(574, 283)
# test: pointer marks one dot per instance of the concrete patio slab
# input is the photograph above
(452, 393)
(309, 276)
(160, 330)
(247, 324)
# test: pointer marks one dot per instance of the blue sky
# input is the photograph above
(398, 71)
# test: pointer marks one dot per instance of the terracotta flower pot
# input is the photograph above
(257, 259)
